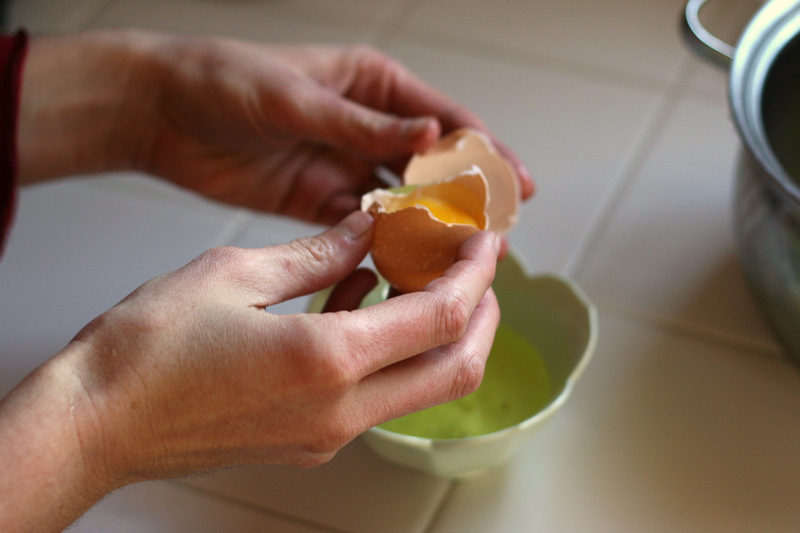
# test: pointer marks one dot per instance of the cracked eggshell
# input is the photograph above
(411, 247)
(459, 151)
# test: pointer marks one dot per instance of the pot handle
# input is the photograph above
(703, 41)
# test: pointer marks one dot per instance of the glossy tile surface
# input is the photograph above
(685, 420)
(77, 249)
(642, 45)
(665, 433)
(167, 506)
(275, 21)
(44, 16)
(356, 491)
(682, 193)
(576, 150)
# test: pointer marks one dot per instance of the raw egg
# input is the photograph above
(460, 186)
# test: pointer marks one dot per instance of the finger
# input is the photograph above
(409, 324)
(311, 264)
(402, 93)
(329, 187)
(348, 293)
(434, 377)
(373, 134)
(526, 183)
(413, 97)
(503, 249)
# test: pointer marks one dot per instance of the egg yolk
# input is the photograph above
(444, 211)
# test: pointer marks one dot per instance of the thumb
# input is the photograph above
(310, 264)
(373, 134)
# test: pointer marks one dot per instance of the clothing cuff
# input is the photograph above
(13, 51)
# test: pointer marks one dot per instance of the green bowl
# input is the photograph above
(556, 317)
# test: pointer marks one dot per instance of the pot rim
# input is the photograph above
(768, 33)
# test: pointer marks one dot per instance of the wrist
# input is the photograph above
(86, 103)
(52, 452)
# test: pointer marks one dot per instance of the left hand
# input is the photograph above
(290, 130)
(296, 131)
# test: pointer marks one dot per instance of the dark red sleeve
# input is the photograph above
(12, 56)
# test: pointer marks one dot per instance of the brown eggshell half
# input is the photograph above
(459, 151)
(410, 247)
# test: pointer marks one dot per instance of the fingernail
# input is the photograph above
(498, 243)
(355, 225)
(415, 127)
(528, 185)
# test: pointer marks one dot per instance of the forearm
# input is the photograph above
(49, 468)
(85, 104)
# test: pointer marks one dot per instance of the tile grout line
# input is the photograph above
(448, 495)
(388, 27)
(676, 92)
(525, 58)
(252, 506)
(85, 16)
(761, 350)
(628, 174)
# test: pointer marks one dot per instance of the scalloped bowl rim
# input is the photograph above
(377, 438)
(546, 412)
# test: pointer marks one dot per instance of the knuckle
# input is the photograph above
(368, 55)
(332, 436)
(382, 73)
(468, 377)
(334, 376)
(328, 364)
(454, 314)
(238, 266)
(220, 259)
(220, 255)
(312, 251)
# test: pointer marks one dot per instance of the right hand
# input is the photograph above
(190, 373)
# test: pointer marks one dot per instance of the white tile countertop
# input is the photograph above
(688, 417)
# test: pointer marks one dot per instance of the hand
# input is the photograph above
(297, 131)
(216, 379)
(292, 130)
(191, 372)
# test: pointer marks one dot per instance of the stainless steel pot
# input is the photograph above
(764, 98)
